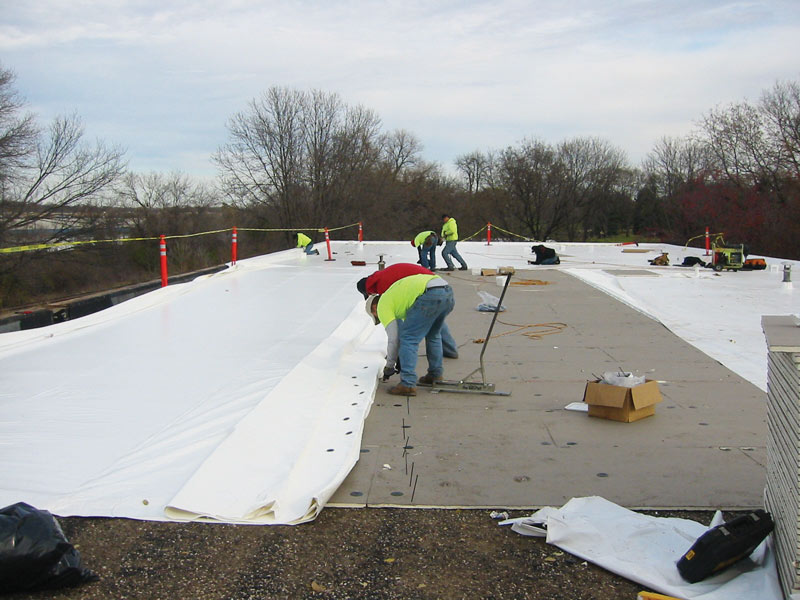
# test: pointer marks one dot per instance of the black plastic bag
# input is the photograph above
(34, 554)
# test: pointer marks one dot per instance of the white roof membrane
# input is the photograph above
(223, 398)
(241, 396)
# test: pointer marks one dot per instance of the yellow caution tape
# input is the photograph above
(68, 244)
(474, 234)
(527, 239)
(338, 228)
(30, 247)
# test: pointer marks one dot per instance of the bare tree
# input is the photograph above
(530, 178)
(17, 131)
(400, 151)
(593, 174)
(780, 108)
(164, 203)
(43, 174)
(474, 167)
(757, 147)
(172, 204)
(357, 157)
(674, 162)
(320, 117)
(298, 153)
(262, 161)
(735, 139)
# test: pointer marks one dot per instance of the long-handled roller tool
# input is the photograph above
(476, 387)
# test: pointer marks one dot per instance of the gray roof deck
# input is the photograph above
(704, 447)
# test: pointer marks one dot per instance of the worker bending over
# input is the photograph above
(304, 242)
(413, 308)
(450, 237)
(380, 281)
(425, 243)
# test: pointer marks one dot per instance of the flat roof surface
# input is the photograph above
(703, 448)
(254, 372)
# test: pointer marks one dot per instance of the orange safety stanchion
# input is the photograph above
(708, 247)
(328, 244)
(360, 232)
(488, 234)
(163, 251)
(234, 244)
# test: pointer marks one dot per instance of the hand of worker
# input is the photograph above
(388, 372)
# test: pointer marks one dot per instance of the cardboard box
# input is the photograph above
(621, 403)
(488, 272)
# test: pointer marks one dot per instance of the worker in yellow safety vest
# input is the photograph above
(450, 237)
(304, 242)
(425, 243)
(412, 309)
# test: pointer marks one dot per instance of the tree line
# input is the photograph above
(305, 159)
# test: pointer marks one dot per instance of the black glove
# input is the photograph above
(388, 372)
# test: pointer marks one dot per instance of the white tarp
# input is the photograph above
(239, 396)
(645, 549)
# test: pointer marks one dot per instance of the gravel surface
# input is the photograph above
(345, 553)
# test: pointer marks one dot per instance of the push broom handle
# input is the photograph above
(489, 335)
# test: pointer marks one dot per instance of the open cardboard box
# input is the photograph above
(622, 403)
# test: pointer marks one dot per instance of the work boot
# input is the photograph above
(463, 268)
(428, 379)
(402, 390)
(448, 269)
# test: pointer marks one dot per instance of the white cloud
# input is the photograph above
(165, 76)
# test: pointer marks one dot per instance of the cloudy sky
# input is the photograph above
(161, 78)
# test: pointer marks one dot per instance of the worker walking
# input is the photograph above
(380, 281)
(450, 237)
(413, 308)
(425, 243)
(304, 242)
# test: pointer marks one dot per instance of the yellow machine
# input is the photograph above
(727, 256)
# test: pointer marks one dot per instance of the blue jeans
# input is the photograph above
(449, 348)
(424, 319)
(450, 249)
(309, 249)
(427, 256)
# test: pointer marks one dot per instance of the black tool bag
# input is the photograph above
(720, 547)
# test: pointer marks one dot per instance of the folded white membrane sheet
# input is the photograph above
(238, 397)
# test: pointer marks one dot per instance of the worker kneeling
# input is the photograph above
(413, 309)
